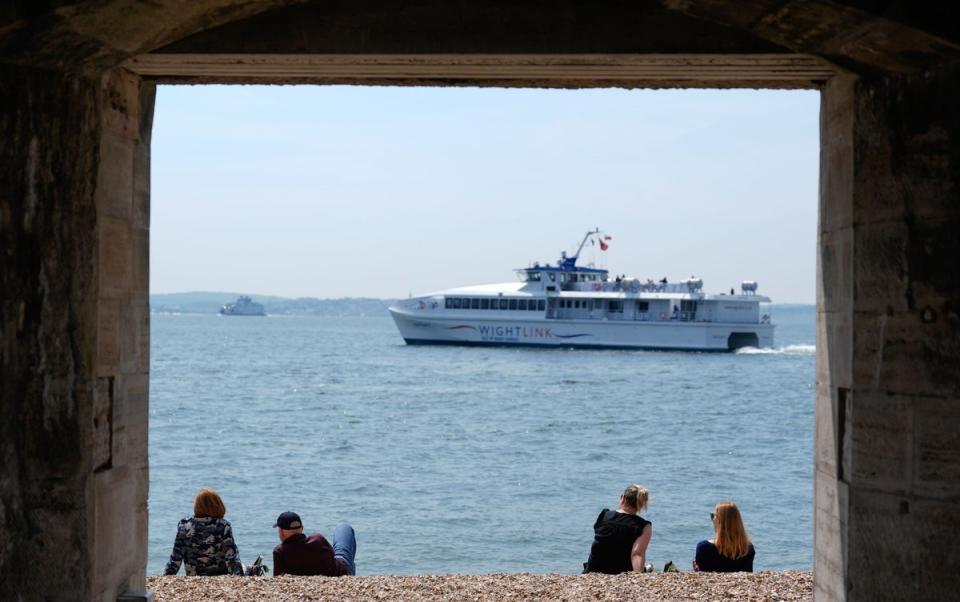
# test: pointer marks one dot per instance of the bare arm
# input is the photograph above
(638, 554)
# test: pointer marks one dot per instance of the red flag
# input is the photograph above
(603, 246)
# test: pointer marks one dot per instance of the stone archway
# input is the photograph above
(76, 102)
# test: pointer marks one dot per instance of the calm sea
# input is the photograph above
(475, 460)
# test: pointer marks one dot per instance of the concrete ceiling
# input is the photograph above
(861, 36)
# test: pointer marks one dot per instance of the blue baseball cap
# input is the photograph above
(289, 520)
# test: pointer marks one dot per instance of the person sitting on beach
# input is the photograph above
(300, 554)
(621, 537)
(731, 550)
(204, 542)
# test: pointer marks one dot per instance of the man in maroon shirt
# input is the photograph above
(300, 554)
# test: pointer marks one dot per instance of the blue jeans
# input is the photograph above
(345, 546)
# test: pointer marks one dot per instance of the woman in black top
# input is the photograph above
(731, 550)
(621, 537)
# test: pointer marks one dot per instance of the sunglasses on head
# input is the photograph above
(713, 516)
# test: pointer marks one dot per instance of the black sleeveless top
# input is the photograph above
(614, 534)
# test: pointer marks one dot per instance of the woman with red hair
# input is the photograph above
(204, 542)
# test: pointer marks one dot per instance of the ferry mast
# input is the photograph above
(571, 262)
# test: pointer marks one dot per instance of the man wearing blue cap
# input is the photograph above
(300, 554)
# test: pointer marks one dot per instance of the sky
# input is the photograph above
(338, 191)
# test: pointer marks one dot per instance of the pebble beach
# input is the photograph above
(765, 586)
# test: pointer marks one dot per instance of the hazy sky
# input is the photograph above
(383, 192)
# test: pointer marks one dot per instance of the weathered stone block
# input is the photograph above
(835, 270)
(881, 450)
(825, 430)
(830, 532)
(134, 318)
(836, 185)
(917, 357)
(880, 272)
(120, 102)
(830, 497)
(884, 559)
(934, 275)
(868, 346)
(937, 524)
(115, 176)
(140, 266)
(103, 424)
(116, 509)
(834, 363)
(108, 337)
(837, 103)
(937, 445)
(130, 420)
(141, 185)
(116, 258)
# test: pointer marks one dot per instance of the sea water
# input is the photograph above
(476, 460)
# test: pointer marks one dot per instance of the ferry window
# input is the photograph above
(643, 306)
(532, 306)
(533, 276)
(553, 277)
(474, 303)
(541, 305)
(513, 304)
(616, 307)
(522, 304)
(504, 303)
(448, 303)
(688, 306)
(455, 303)
(484, 303)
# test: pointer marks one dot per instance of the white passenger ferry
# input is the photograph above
(567, 305)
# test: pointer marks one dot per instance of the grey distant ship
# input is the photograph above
(243, 306)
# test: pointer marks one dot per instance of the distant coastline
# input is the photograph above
(210, 303)
(204, 302)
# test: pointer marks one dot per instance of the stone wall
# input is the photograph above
(74, 333)
(888, 394)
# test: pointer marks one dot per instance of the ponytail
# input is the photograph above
(636, 496)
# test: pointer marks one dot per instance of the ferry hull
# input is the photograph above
(614, 334)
